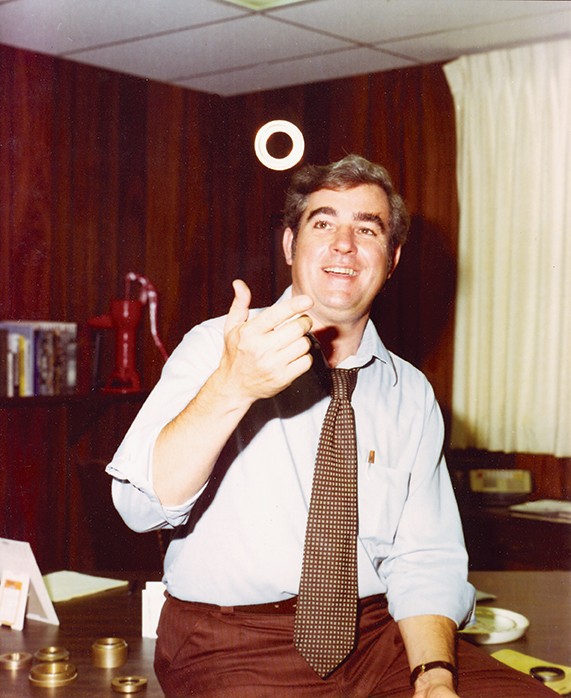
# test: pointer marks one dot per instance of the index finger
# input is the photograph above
(282, 311)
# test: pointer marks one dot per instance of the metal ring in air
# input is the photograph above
(261, 145)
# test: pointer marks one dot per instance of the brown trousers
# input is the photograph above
(227, 654)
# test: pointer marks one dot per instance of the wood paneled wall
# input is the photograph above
(102, 173)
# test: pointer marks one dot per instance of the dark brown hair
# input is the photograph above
(349, 172)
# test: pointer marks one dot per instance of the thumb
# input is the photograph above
(240, 308)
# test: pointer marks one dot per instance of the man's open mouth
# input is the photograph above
(340, 270)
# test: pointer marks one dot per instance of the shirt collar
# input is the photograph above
(371, 348)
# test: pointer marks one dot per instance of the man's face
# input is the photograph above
(341, 255)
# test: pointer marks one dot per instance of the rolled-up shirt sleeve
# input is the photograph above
(426, 570)
(185, 372)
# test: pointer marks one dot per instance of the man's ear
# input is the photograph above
(396, 259)
(288, 245)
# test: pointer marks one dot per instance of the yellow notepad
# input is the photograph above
(523, 662)
(65, 585)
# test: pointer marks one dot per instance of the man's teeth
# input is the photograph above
(341, 270)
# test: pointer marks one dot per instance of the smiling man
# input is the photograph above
(224, 453)
(341, 253)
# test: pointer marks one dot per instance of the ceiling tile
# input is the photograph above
(59, 26)
(211, 48)
(262, 4)
(448, 45)
(294, 72)
(195, 41)
(372, 21)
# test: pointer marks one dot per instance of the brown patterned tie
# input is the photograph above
(326, 614)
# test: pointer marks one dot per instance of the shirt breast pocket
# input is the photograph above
(382, 496)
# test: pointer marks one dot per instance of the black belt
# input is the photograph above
(286, 607)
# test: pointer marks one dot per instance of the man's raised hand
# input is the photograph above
(265, 354)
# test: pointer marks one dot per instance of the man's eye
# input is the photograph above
(367, 231)
(321, 225)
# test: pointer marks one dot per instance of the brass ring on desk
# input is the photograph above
(109, 652)
(15, 660)
(52, 654)
(129, 684)
(52, 674)
(545, 674)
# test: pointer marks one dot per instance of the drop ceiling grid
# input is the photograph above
(219, 47)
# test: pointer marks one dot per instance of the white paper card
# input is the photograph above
(65, 585)
(153, 598)
(17, 556)
(13, 599)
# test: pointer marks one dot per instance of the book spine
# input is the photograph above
(13, 364)
(4, 368)
(38, 358)
(44, 362)
(71, 360)
(26, 364)
(10, 377)
(65, 359)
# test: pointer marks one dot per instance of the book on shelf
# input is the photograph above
(37, 357)
(5, 368)
(546, 509)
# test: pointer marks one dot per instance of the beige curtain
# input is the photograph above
(512, 354)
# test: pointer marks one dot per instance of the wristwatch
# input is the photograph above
(427, 666)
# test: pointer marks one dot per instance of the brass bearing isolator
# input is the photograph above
(109, 652)
(52, 654)
(129, 684)
(15, 660)
(50, 674)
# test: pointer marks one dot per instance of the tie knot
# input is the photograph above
(343, 382)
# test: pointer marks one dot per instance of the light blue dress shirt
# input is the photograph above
(240, 540)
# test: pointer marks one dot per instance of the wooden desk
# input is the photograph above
(544, 597)
(82, 621)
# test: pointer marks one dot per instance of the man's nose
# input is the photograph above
(344, 240)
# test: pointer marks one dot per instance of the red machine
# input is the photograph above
(124, 318)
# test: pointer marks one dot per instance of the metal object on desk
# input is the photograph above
(52, 674)
(545, 674)
(15, 660)
(129, 684)
(109, 652)
(52, 654)
(82, 621)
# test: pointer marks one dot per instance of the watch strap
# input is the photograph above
(427, 666)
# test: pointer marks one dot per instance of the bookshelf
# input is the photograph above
(37, 357)
(84, 409)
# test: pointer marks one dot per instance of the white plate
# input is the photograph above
(495, 626)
